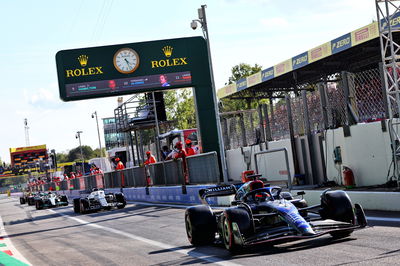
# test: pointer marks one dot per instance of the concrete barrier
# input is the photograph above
(381, 201)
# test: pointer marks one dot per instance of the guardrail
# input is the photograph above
(289, 180)
(202, 169)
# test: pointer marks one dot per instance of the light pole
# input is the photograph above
(78, 136)
(98, 132)
(203, 22)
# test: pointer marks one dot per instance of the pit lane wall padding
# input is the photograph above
(169, 194)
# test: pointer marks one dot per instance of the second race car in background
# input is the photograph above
(98, 200)
(49, 200)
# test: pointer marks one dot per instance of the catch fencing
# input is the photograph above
(332, 101)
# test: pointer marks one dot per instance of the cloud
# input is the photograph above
(43, 98)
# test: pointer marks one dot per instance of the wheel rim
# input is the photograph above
(226, 232)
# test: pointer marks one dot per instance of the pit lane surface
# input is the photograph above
(155, 235)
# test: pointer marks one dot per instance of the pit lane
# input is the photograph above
(155, 235)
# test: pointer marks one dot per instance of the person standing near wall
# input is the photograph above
(120, 166)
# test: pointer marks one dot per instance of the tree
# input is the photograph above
(243, 70)
(75, 154)
(238, 72)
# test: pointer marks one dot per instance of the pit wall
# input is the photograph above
(367, 152)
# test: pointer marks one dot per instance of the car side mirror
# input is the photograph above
(301, 193)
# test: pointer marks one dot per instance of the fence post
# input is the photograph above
(291, 133)
(267, 126)
(324, 106)
(261, 122)
(243, 130)
(307, 126)
(350, 118)
(384, 95)
(225, 133)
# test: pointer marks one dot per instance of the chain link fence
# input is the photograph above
(364, 100)
(366, 95)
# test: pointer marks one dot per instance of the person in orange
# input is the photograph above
(150, 158)
(189, 150)
(181, 153)
(120, 166)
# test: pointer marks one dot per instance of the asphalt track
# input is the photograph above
(155, 235)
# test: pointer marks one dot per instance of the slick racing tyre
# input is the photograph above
(31, 201)
(336, 205)
(22, 200)
(83, 206)
(39, 204)
(241, 218)
(77, 205)
(64, 200)
(200, 224)
(120, 199)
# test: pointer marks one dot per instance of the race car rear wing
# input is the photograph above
(217, 191)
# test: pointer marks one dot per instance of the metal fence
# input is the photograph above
(202, 169)
(347, 98)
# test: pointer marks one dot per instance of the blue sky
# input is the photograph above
(265, 32)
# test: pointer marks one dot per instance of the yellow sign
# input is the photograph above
(319, 52)
(283, 67)
(30, 148)
(167, 50)
(77, 72)
(364, 34)
(227, 90)
(254, 79)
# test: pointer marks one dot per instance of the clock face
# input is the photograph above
(126, 60)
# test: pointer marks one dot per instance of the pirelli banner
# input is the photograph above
(130, 68)
(335, 46)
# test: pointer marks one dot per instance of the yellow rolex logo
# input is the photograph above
(83, 59)
(167, 51)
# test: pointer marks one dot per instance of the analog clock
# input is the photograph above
(126, 60)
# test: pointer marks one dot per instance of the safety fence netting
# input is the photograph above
(332, 101)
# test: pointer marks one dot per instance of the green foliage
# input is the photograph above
(243, 70)
(179, 105)
(75, 154)
(238, 72)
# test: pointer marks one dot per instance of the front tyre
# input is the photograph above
(77, 208)
(200, 224)
(232, 235)
(22, 200)
(39, 204)
(121, 200)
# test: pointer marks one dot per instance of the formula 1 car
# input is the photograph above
(49, 200)
(98, 200)
(28, 197)
(265, 214)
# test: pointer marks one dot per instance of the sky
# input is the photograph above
(265, 32)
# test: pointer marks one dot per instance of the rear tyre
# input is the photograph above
(201, 225)
(22, 200)
(39, 204)
(120, 199)
(241, 218)
(83, 206)
(77, 208)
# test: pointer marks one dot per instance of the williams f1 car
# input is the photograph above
(28, 197)
(98, 200)
(49, 200)
(265, 214)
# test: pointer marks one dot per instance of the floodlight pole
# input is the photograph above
(386, 11)
(98, 132)
(78, 135)
(203, 22)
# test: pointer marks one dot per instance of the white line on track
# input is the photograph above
(187, 252)
(384, 219)
(9, 244)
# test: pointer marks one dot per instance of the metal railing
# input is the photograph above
(289, 180)
(202, 169)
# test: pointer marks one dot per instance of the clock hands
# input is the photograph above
(127, 62)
